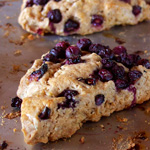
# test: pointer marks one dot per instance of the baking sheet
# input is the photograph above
(17, 51)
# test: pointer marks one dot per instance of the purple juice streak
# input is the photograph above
(131, 88)
(52, 27)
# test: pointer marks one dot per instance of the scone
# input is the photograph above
(73, 84)
(66, 17)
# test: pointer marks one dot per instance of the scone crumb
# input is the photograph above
(14, 130)
(26, 65)
(148, 110)
(30, 37)
(102, 127)
(16, 68)
(82, 140)
(6, 34)
(17, 52)
(7, 17)
(145, 51)
(12, 115)
(2, 122)
(122, 119)
(3, 107)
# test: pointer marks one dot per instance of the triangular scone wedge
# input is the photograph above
(67, 17)
(60, 94)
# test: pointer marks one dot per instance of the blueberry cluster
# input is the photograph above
(70, 101)
(110, 69)
(63, 50)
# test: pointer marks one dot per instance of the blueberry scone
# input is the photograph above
(72, 84)
(65, 17)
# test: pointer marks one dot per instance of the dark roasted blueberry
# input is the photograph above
(75, 60)
(40, 2)
(134, 75)
(135, 58)
(144, 62)
(136, 10)
(105, 75)
(90, 81)
(36, 75)
(106, 52)
(107, 63)
(99, 99)
(97, 20)
(120, 58)
(121, 84)
(70, 101)
(128, 61)
(50, 57)
(3, 145)
(54, 16)
(63, 44)
(125, 77)
(16, 102)
(84, 44)
(120, 53)
(103, 51)
(126, 1)
(95, 48)
(29, 3)
(45, 114)
(118, 71)
(58, 52)
(71, 26)
(119, 50)
(72, 51)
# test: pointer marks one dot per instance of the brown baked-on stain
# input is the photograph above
(117, 39)
(139, 52)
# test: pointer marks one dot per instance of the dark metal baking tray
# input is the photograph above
(16, 54)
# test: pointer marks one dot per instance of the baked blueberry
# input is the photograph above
(54, 16)
(71, 26)
(45, 114)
